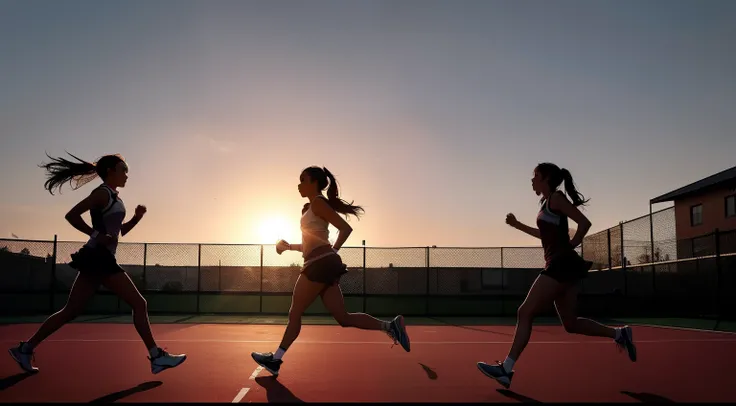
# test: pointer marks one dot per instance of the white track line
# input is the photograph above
(255, 373)
(700, 330)
(115, 340)
(244, 391)
(240, 395)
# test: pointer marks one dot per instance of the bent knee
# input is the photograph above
(343, 319)
(526, 312)
(295, 314)
(570, 325)
(71, 311)
(139, 304)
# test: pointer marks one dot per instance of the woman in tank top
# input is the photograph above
(323, 267)
(564, 268)
(95, 261)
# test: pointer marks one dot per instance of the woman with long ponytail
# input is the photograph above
(95, 262)
(564, 268)
(323, 267)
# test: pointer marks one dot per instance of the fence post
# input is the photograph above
(623, 259)
(502, 274)
(260, 289)
(692, 249)
(719, 300)
(365, 290)
(503, 287)
(199, 272)
(52, 283)
(651, 255)
(582, 246)
(145, 259)
(426, 300)
(610, 258)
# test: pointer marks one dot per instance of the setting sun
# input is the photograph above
(272, 229)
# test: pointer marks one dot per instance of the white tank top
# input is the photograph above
(108, 220)
(315, 232)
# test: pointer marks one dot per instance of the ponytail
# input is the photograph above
(556, 176)
(339, 205)
(323, 177)
(77, 174)
(577, 198)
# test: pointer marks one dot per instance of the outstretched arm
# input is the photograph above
(139, 212)
(282, 246)
(513, 222)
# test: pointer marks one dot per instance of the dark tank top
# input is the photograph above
(554, 232)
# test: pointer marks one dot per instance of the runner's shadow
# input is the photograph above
(114, 397)
(430, 373)
(275, 391)
(645, 397)
(470, 327)
(9, 381)
(513, 395)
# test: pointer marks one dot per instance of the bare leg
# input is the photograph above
(334, 302)
(305, 292)
(566, 305)
(83, 289)
(543, 292)
(121, 284)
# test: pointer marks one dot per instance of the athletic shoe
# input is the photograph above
(497, 372)
(397, 332)
(164, 361)
(23, 358)
(266, 360)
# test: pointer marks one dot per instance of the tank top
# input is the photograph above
(108, 219)
(554, 232)
(315, 232)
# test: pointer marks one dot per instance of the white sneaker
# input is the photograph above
(164, 360)
(23, 359)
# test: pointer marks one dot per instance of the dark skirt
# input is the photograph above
(328, 269)
(95, 261)
(568, 268)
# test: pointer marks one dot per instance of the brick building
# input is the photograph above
(700, 208)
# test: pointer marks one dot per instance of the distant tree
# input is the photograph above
(4, 249)
(645, 258)
(25, 251)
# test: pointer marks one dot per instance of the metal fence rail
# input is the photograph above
(688, 277)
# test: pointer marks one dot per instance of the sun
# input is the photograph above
(272, 229)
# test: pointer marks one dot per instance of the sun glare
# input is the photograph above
(273, 229)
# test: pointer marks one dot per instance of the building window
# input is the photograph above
(731, 206)
(696, 215)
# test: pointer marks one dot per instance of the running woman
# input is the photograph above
(323, 267)
(564, 268)
(95, 261)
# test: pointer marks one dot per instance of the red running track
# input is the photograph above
(107, 362)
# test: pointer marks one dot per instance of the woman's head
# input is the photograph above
(548, 177)
(112, 169)
(314, 180)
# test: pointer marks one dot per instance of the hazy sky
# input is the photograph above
(431, 114)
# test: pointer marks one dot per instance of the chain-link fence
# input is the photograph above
(643, 240)
(682, 277)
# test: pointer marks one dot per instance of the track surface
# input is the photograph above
(107, 362)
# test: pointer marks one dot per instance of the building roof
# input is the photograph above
(729, 175)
